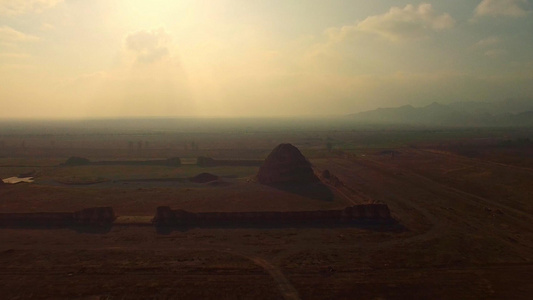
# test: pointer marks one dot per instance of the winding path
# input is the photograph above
(285, 287)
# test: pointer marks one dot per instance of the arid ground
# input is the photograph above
(464, 220)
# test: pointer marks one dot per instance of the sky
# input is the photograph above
(247, 58)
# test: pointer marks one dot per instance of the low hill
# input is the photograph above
(504, 113)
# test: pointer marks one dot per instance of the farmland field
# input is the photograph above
(464, 221)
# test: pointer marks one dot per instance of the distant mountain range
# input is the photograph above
(511, 112)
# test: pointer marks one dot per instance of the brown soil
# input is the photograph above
(467, 235)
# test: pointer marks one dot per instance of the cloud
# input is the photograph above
(19, 7)
(493, 53)
(490, 41)
(409, 22)
(11, 36)
(510, 8)
(14, 55)
(365, 47)
(148, 80)
(47, 27)
(489, 45)
(149, 46)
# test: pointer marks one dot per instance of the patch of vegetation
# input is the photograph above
(173, 161)
(204, 161)
(77, 161)
(81, 180)
(520, 142)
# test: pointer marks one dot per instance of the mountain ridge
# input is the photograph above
(509, 112)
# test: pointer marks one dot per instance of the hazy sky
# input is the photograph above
(101, 58)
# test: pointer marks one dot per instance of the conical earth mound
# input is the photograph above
(286, 164)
